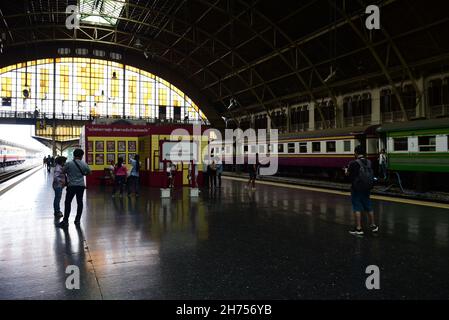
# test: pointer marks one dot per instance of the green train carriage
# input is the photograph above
(418, 151)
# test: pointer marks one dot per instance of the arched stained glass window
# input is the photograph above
(92, 87)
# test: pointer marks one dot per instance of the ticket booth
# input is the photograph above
(156, 146)
(162, 149)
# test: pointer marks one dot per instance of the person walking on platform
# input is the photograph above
(59, 182)
(219, 173)
(48, 163)
(252, 170)
(75, 170)
(120, 173)
(133, 179)
(361, 175)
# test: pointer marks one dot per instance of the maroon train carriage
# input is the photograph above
(318, 153)
(325, 151)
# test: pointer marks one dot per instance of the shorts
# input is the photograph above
(361, 201)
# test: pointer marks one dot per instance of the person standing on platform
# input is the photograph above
(59, 182)
(120, 173)
(361, 175)
(206, 174)
(219, 173)
(383, 165)
(75, 171)
(172, 174)
(133, 179)
(213, 174)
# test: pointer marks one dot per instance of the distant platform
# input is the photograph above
(231, 243)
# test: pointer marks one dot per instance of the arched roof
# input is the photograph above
(264, 53)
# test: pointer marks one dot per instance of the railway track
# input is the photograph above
(5, 176)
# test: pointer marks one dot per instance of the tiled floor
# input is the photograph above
(275, 243)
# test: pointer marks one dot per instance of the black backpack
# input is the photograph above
(365, 180)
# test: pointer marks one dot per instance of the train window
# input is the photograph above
(291, 148)
(400, 144)
(253, 149)
(331, 146)
(316, 146)
(303, 147)
(281, 148)
(427, 144)
(262, 149)
(347, 146)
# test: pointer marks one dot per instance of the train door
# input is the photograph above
(360, 140)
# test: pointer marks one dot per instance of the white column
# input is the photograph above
(312, 116)
(340, 123)
(421, 104)
(375, 107)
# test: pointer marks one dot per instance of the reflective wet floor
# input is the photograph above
(275, 243)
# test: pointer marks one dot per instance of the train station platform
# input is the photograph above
(279, 242)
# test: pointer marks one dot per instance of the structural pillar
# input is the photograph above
(340, 123)
(53, 127)
(268, 121)
(376, 117)
(312, 116)
(422, 110)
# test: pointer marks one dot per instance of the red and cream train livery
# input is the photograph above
(11, 155)
(322, 151)
(330, 149)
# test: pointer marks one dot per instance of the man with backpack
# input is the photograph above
(75, 171)
(361, 175)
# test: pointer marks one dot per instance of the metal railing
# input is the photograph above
(88, 118)
(395, 116)
(439, 111)
(299, 127)
(357, 121)
(319, 125)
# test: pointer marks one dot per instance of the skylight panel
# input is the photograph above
(104, 12)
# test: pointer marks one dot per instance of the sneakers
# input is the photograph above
(63, 224)
(58, 214)
(357, 232)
